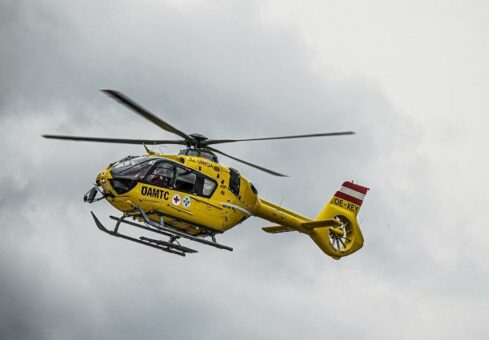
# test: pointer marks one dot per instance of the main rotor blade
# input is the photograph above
(145, 113)
(116, 140)
(326, 134)
(248, 163)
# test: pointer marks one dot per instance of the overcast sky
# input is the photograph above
(411, 78)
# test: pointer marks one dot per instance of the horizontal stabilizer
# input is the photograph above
(277, 229)
(321, 224)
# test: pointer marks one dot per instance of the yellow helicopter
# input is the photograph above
(192, 196)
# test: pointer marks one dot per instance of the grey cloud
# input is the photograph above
(218, 70)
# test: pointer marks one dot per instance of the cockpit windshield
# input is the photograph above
(133, 168)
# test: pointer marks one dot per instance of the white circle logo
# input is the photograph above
(186, 202)
(176, 199)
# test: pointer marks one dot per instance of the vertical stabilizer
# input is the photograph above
(346, 238)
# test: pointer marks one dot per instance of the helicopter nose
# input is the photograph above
(103, 177)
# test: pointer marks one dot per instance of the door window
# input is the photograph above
(185, 180)
(208, 187)
(161, 175)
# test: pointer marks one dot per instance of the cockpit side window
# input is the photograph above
(166, 174)
(185, 180)
(161, 175)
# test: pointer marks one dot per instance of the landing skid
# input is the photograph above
(171, 245)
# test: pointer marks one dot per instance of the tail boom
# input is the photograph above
(335, 230)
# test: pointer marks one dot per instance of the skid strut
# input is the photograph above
(170, 246)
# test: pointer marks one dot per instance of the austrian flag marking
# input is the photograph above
(352, 192)
(176, 199)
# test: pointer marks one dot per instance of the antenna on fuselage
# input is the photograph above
(150, 152)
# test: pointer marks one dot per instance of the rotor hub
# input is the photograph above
(199, 139)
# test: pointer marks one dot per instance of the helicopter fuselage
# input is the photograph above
(194, 194)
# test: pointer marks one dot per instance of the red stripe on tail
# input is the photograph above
(356, 187)
(349, 198)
